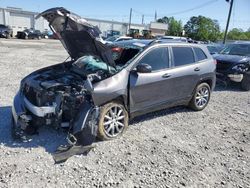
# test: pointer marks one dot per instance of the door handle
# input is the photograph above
(197, 69)
(166, 75)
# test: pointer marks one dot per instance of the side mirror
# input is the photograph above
(143, 68)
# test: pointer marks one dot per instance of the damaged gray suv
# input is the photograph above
(108, 85)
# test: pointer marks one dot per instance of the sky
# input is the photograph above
(118, 10)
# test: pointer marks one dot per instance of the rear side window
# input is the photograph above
(183, 56)
(157, 58)
(200, 54)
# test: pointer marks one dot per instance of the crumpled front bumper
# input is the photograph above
(25, 114)
(21, 114)
(235, 77)
(18, 109)
(3, 34)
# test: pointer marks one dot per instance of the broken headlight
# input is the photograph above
(240, 68)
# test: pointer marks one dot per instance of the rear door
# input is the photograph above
(186, 71)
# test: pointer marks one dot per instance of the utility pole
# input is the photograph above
(142, 20)
(228, 20)
(130, 17)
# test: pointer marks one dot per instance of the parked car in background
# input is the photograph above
(47, 34)
(214, 48)
(111, 33)
(98, 86)
(175, 38)
(233, 64)
(5, 31)
(29, 34)
(117, 38)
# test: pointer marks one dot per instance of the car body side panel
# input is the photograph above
(111, 88)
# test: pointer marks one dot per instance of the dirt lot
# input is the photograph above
(171, 148)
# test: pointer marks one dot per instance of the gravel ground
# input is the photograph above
(171, 148)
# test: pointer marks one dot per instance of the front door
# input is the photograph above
(150, 89)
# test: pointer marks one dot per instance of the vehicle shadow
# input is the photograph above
(232, 86)
(159, 113)
(48, 138)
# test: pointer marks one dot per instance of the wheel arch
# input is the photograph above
(208, 81)
(119, 99)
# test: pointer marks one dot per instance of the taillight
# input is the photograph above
(215, 61)
(116, 49)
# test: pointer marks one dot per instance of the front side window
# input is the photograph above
(183, 56)
(157, 58)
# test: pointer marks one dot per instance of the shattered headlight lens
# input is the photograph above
(240, 68)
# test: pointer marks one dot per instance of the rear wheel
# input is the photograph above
(201, 97)
(113, 121)
(245, 84)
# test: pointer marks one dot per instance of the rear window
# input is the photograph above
(200, 54)
(183, 56)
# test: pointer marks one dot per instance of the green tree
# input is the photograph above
(248, 34)
(174, 26)
(202, 28)
(237, 34)
(163, 20)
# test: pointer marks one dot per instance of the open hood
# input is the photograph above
(76, 34)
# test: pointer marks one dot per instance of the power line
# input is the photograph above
(179, 12)
(194, 8)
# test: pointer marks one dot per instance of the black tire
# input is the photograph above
(7, 36)
(111, 114)
(201, 97)
(245, 84)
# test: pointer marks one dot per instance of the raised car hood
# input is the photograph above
(231, 58)
(76, 34)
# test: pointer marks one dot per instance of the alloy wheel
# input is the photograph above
(114, 121)
(202, 97)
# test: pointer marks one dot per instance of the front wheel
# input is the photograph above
(113, 121)
(245, 84)
(201, 97)
(7, 36)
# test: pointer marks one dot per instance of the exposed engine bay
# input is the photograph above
(70, 94)
(63, 88)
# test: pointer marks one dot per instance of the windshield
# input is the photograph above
(89, 64)
(112, 39)
(28, 30)
(213, 49)
(237, 49)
